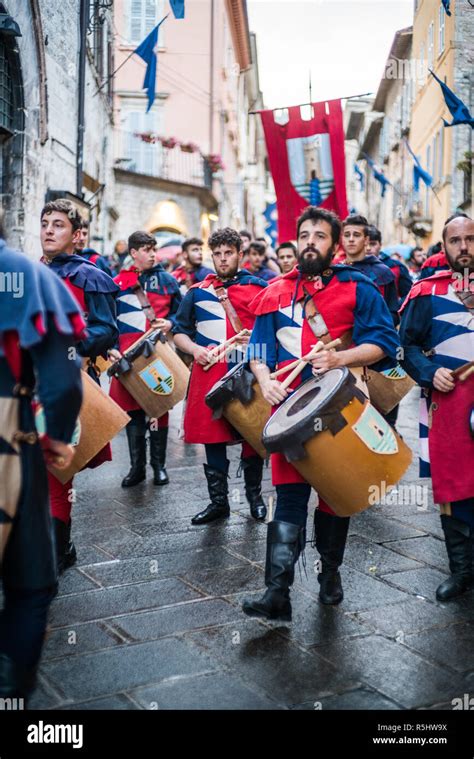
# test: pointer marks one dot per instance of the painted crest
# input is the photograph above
(157, 378)
(375, 432)
(310, 164)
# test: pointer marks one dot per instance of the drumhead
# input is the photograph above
(305, 402)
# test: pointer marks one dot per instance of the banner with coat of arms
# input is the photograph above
(307, 162)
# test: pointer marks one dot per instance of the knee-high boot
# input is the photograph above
(330, 541)
(285, 541)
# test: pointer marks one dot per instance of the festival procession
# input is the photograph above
(236, 356)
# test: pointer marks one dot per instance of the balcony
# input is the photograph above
(155, 160)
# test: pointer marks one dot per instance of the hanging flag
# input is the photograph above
(177, 8)
(418, 171)
(458, 110)
(147, 52)
(360, 176)
(271, 215)
(378, 174)
(307, 162)
(446, 4)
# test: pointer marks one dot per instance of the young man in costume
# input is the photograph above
(211, 312)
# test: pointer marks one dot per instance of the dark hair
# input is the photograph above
(190, 241)
(85, 224)
(434, 249)
(356, 220)
(375, 234)
(313, 213)
(66, 207)
(139, 239)
(450, 219)
(286, 245)
(245, 233)
(225, 236)
(262, 239)
(258, 246)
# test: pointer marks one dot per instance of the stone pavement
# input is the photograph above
(150, 617)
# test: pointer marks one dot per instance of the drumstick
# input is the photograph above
(464, 371)
(306, 359)
(287, 368)
(216, 353)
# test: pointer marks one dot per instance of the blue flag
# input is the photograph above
(378, 175)
(418, 171)
(458, 110)
(446, 4)
(271, 215)
(178, 8)
(146, 51)
(360, 176)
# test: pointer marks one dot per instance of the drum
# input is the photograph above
(387, 388)
(100, 419)
(238, 397)
(338, 442)
(152, 373)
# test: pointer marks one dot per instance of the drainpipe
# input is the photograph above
(83, 24)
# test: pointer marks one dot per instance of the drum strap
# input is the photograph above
(147, 308)
(319, 326)
(229, 309)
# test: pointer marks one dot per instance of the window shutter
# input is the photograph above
(136, 21)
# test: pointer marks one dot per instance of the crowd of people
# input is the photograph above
(334, 282)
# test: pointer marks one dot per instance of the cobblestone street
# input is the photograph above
(150, 616)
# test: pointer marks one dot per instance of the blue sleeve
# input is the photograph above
(176, 300)
(59, 385)
(102, 331)
(373, 322)
(185, 319)
(415, 330)
(391, 299)
(263, 343)
(101, 263)
(404, 283)
(427, 272)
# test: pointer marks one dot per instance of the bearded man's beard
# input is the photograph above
(312, 267)
(458, 267)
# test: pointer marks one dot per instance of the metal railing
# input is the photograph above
(155, 160)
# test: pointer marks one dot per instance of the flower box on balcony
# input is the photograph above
(168, 142)
(189, 147)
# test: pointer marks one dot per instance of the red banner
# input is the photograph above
(307, 163)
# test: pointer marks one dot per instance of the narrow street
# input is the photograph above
(150, 618)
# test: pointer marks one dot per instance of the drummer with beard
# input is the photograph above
(351, 308)
(211, 312)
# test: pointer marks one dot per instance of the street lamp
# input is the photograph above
(8, 26)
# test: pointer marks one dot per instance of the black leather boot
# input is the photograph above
(136, 436)
(253, 468)
(15, 682)
(218, 490)
(459, 545)
(330, 542)
(285, 542)
(158, 440)
(65, 549)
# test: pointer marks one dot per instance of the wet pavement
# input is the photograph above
(150, 617)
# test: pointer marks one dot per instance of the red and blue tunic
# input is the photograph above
(202, 317)
(403, 280)
(384, 278)
(433, 264)
(164, 296)
(39, 324)
(344, 298)
(188, 277)
(437, 330)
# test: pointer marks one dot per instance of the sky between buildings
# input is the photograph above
(344, 43)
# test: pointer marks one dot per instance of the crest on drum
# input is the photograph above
(375, 432)
(157, 377)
